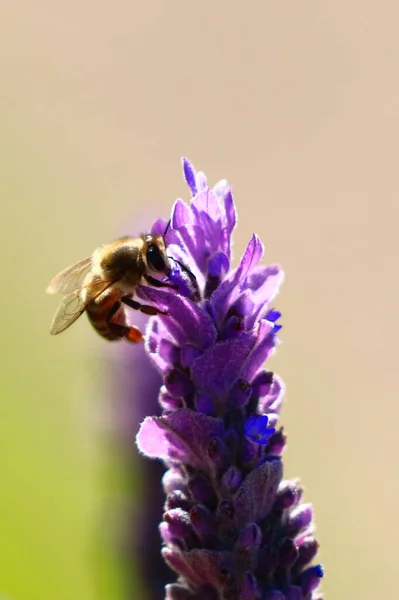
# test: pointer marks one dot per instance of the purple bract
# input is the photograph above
(233, 529)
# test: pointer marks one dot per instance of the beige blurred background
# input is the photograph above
(297, 104)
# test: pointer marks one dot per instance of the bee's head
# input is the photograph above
(155, 254)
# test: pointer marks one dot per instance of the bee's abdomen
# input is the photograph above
(103, 311)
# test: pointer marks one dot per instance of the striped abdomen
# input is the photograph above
(107, 315)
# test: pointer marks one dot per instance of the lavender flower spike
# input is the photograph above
(232, 529)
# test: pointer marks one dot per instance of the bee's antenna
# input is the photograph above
(167, 227)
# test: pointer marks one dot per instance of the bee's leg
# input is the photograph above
(191, 275)
(144, 308)
(159, 284)
(196, 292)
(131, 333)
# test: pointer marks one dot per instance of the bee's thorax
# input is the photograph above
(123, 258)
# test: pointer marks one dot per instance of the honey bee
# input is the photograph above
(103, 284)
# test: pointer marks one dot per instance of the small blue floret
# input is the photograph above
(273, 315)
(319, 571)
(256, 429)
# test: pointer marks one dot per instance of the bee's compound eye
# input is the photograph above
(155, 260)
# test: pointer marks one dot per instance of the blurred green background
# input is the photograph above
(296, 103)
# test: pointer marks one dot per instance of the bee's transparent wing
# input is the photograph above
(70, 279)
(75, 303)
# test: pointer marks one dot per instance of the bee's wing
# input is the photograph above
(75, 303)
(70, 279)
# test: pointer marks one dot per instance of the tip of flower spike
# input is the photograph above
(256, 429)
(189, 175)
(232, 528)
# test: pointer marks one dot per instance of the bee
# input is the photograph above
(103, 284)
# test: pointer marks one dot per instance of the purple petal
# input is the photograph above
(307, 551)
(263, 349)
(310, 579)
(249, 587)
(207, 203)
(177, 499)
(272, 398)
(250, 536)
(204, 404)
(175, 559)
(167, 401)
(212, 231)
(267, 279)
(287, 553)
(245, 306)
(263, 383)
(181, 215)
(300, 519)
(182, 435)
(240, 393)
(194, 240)
(220, 187)
(202, 519)
(168, 352)
(176, 591)
(159, 226)
(251, 257)
(166, 533)
(155, 335)
(232, 479)
(179, 522)
(200, 179)
(229, 221)
(218, 264)
(264, 294)
(219, 367)
(198, 566)
(256, 495)
(201, 489)
(293, 593)
(230, 210)
(187, 322)
(221, 297)
(289, 494)
(189, 175)
(188, 355)
(173, 480)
